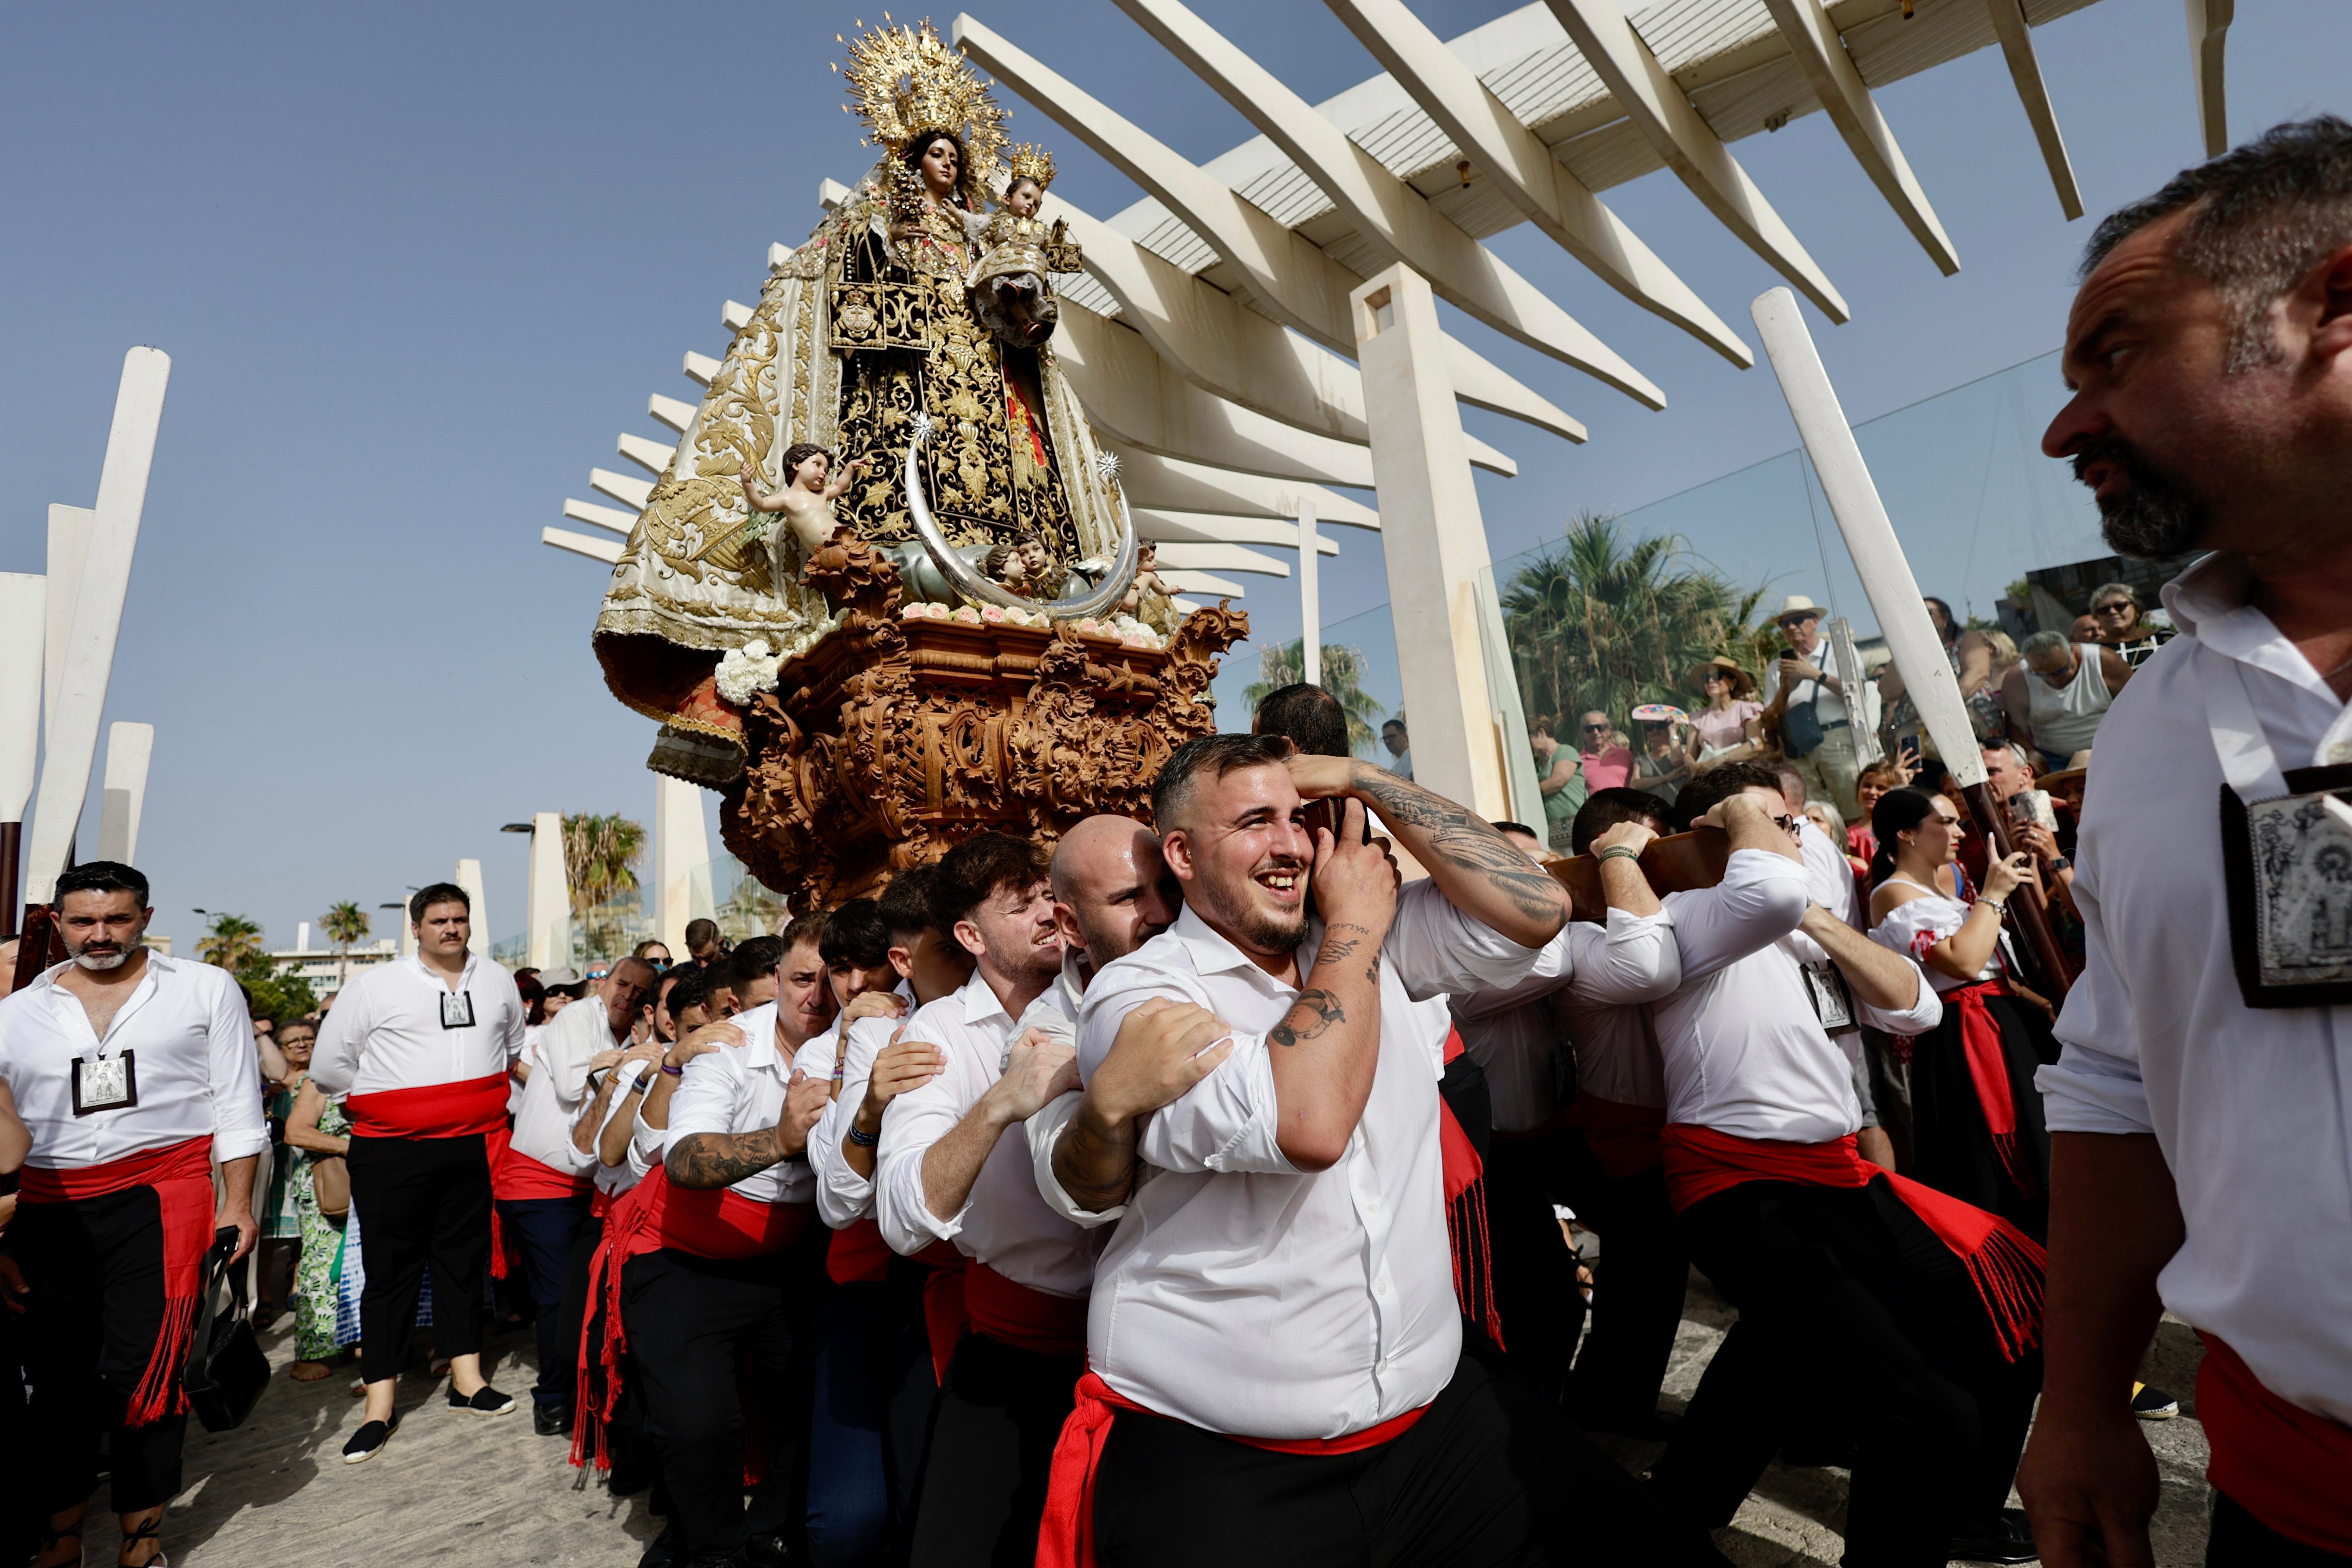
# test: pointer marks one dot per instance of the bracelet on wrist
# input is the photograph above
(673, 1072)
(1999, 906)
(1619, 852)
(864, 1139)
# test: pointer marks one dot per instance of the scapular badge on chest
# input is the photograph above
(457, 1009)
(2286, 858)
(104, 1083)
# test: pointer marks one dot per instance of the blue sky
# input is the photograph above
(418, 264)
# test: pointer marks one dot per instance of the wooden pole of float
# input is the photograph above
(1894, 592)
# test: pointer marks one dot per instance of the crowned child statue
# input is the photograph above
(913, 309)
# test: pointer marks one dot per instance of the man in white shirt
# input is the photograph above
(1277, 1358)
(720, 1261)
(132, 1074)
(2199, 1147)
(1800, 680)
(543, 1182)
(954, 1165)
(1908, 1314)
(418, 1052)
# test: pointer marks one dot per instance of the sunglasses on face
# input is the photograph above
(1789, 623)
(2111, 609)
(1596, 728)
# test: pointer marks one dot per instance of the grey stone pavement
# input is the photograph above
(463, 1490)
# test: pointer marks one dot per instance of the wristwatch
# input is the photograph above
(2061, 864)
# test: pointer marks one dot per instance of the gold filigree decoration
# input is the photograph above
(1028, 162)
(906, 81)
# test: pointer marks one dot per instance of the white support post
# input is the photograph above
(1310, 595)
(22, 598)
(469, 877)
(68, 544)
(681, 861)
(549, 907)
(97, 616)
(1433, 538)
(128, 748)
(1878, 558)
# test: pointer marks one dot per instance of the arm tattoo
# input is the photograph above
(1466, 843)
(1324, 1010)
(721, 1159)
(1085, 1147)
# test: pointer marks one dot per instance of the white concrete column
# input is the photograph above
(469, 876)
(1434, 541)
(70, 529)
(97, 616)
(408, 934)
(302, 937)
(23, 598)
(549, 911)
(128, 748)
(1310, 595)
(681, 861)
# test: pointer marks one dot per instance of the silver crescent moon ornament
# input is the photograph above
(971, 585)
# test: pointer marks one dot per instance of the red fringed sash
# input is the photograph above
(944, 1316)
(1466, 1212)
(858, 1255)
(713, 1222)
(1988, 1072)
(1065, 1535)
(2288, 1467)
(436, 1110)
(181, 1176)
(1027, 1319)
(2003, 1263)
(518, 1177)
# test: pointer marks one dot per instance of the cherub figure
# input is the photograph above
(1024, 567)
(1022, 197)
(807, 500)
(1148, 599)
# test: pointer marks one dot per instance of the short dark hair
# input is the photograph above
(1310, 716)
(854, 933)
(438, 893)
(1214, 754)
(1518, 827)
(800, 930)
(1605, 808)
(754, 960)
(689, 986)
(700, 931)
(1388, 724)
(976, 868)
(102, 877)
(2265, 214)
(1952, 628)
(905, 905)
(1720, 783)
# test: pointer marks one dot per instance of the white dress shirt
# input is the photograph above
(614, 1180)
(741, 1089)
(1829, 880)
(197, 1069)
(558, 1087)
(385, 1030)
(842, 1196)
(2250, 1108)
(1244, 1295)
(1005, 1222)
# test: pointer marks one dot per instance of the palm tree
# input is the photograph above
(1343, 677)
(344, 924)
(230, 942)
(1604, 622)
(600, 858)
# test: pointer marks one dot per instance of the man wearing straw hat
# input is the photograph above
(1805, 705)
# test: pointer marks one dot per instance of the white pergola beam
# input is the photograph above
(1390, 214)
(673, 412)
(1219, 557)
(1201, 583)
(608, 551)
(130, 747)
(1679, 134)
(2209, 34)
(2025, 71)
(701, 368)
(1149, 479)
(1220, 528)
(1820, 55)
(594, 516)
(629, 493)
(646, 453)
(23, 599)
(735, 315)
(1286, 275)
(1523, 169)
(70, 528)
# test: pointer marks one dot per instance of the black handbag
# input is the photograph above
(226, 1370)
(1802, 731)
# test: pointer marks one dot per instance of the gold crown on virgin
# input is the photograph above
(907, 81)
(1028, 161)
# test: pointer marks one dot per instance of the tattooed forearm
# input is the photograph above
(1341, 942)
(721, 1159)
(1315, 1011)
(1447, 837)
(1094, 1161)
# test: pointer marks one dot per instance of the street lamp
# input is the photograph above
(516, 828)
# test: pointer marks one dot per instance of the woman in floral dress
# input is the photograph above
(315, 1128)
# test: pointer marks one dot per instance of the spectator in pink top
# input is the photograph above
(1608, 762)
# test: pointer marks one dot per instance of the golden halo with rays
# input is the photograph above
(905, 81)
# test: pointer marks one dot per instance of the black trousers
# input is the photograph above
(547, 1230)
(423, 1202)
(2239, 1539)
(1493, 1474)
(1637, 1290)
(1535, 1273)
(95, 1307)
(993, 1433)
(700, 1331)
(1850, 1305)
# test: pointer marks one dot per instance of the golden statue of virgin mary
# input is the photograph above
(864, 334)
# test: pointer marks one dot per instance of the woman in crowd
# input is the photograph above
(1979, 660)
(282, 1219)
(1868, 785)
(1663, 765)
(2123, 625)
(1559, 778)
(654, 952)
(1729, 725)
(1976, 1119)
(317, 1131)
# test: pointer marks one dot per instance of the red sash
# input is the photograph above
(944, 1316)
(1466, 1211)
(707, 1221)
(858, 1255)
(518, 1177)
(2003, 1263)
(181, 1176)
(1623, 1138)
(1022, 1317)
(2288, 1467)
(436, 1110)
(1988, 1072)
(1065, 1535)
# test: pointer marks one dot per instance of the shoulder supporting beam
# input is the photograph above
(1171, 484)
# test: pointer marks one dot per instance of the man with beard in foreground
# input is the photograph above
(2199, 1117)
